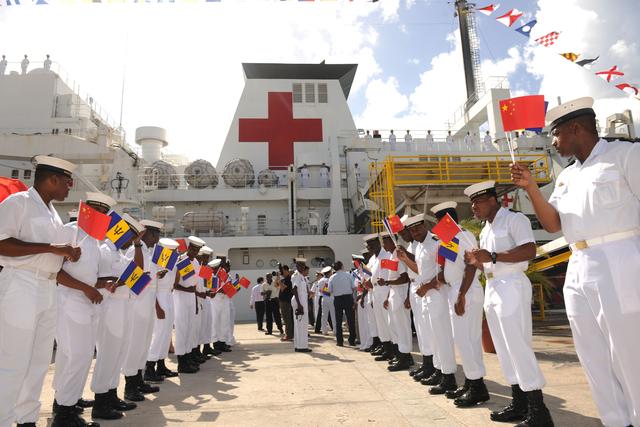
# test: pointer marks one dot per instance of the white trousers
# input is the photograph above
(602, 299)
(400, 319)
(371, 317)
(380, 294)
(300, 325)
(467, 330)
(421, 322)
(76, 338)
(143, 315)
(114, 321)
(220, 318)
(27, 328)
(437, 305)
(207, 325)
(231, 338)
(162, 328)
(366, 340)
(328, 309)
(194, 337)
(185, 309)
(507, 303)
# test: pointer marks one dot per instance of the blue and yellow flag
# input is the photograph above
(134, 278)
(449, 250)
(211, 283)
(236, 282)
(164, 257)
(119, 231)
(185, 269)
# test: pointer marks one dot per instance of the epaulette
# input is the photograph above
(435, 238)
(513, 210)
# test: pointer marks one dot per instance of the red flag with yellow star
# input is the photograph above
(522, 112)
(92, 222)
(446, 229)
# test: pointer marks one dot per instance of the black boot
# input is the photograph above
(454, 394)
(78, 409)
(417, 369)
(404, 362)
(537, 413)
(144, 387)
(516, 410)
(448, 383)
(387, 353)
(434, 379)
(164, 371)
(396, 355)
(208, 350)
(378, 350)
(427, 369)
(33, 425)
(476, 394)
(184, 367)
(102, 409)
(225, 347)
(119, 404)
(197, 356)
(84, 403)
(131, 391)
(151, 375)
(67, 416)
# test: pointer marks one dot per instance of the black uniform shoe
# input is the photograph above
(26, 425)
(144, 387)
(78, 410)
(66, 416)
(448, 383)
(516, 410)
(537, 413)
(207, 349)
(164, 371)
(102, 409)
(454, 394)
(378, 350)
(387, 353)
(197, 356)
(119, 404)
(427, 369)
(434, 379)
(131, 391)
(303, 350)
(84, 403)
(225, 347)
(151, 375)
(476, 394)
(404, 362)
(184, 367)
(417, 369)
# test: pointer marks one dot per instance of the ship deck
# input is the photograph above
(263, 382)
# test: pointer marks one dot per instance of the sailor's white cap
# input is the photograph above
(168, 243)
(196, 241)
(444, 205)
(355, 256)
(300, 259)
(152, 224)
(215, 263)
(569, 110)
(403, 218)
(326, 270)
(205, 250)
(100, 199)
(384, 234)
(370, 237)
(133, 223)
(480, 188)
(414, 220)
(54, 164)
(73, 215)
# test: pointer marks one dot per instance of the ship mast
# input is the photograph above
(470, 50)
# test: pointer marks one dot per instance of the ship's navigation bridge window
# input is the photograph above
(27, 174)
(15, 174)
(297, 93)
(309, 93)
(323, 97)
(306, 92)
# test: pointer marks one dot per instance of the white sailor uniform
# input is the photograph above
(380, 294)
(163, 328)
(399, 316)
(420, 317)
(300, 323)
(185, 312)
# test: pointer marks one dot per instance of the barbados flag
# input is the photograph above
(449, 250)
(236, 282)
(185, 269)
(134, 278)
(164, 257)
(361, 267)
(119, 231)
(211, 283)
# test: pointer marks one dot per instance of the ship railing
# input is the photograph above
(492, 82)
(225, 226)
(119, 188)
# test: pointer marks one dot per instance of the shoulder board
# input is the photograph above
(513, 210)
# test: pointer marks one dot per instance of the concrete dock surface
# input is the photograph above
(263, 382)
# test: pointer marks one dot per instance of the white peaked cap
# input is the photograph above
(326, 269)
(205, 250)
(168, 243)
(152, 224)
(196, 241)
(480, 188)
(215, 263)
(54, 164)
(368, 237)
(300, 259)
(384, 234)
(404, 218)
(355, 256)
(444, 205)
(100, 199)
(413, 220)
(133, 223)
(569, 110)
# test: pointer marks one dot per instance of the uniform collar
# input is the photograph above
(598, 149)
(36, 196)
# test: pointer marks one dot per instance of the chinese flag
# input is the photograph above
(446, 229)
(229, 290)
(182, 245)
(9, 186)
(244, 282)
(389, 264)
(522, 112)
(222, 275)
(441, 260)
(395, 224)
(206, 272)
(92, 222)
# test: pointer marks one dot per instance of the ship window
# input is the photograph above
(15, 174)
(27, 174)
(262, 224)
(322, 93)
(309, 93)
(297, 93)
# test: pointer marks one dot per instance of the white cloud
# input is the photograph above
(414, 61)
(384, 101)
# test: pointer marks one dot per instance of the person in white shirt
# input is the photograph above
(341, 287)
(24, 64)
(468, 142)
(596, 205)
(256, 302)
(304, 176)
(380, 295)
(299, 306)
(33, 245)
(376, 348)
(221, 315)
(79, 297)
(408, 142)
(486, 143)
(203, 324)
(47, 64)
(326, 302)
(366, 340)
(507, 244)
(368, 137)
(392, 141)
(324, 176)
(429, 145)
(449, 139)
(3, 65)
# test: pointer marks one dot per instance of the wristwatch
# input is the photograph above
(138, 245)
(494, 257)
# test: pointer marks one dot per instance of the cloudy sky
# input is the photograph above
(182, 62)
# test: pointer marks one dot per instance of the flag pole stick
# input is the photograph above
(511, 150)
(74, 242)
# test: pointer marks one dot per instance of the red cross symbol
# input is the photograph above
(506, 200)
(280, 130)
(610, 74)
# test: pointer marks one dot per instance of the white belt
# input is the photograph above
(40, 274)
(584, 244)
(497, 275)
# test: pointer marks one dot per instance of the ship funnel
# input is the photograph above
(152, 140)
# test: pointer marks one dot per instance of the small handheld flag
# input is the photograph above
(211, 283)
(362, 268)
(446, 229)
(206, 272)
(92, 222)
(134, 278)
(119, 231)
(229, 290)
(185, 269)
(182, 245)
(164, 257)
(395, 224)
(244, 282)
(325, 290)
(522, 112)
(389, 264)
(10, 186)
(449, 250)
(222, 275)
(236, 283)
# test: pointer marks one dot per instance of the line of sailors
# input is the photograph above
(91, 309)
(446, 299)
